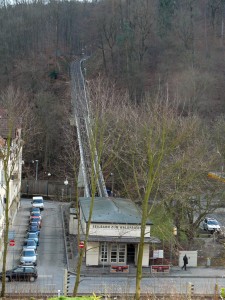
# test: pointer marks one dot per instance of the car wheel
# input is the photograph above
(32, 279)
(35, 264)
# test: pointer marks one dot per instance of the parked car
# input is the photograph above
(38, 201)
(35, 221)
(34, 229)
(35, 210)
(35, 215)
(21, 273)
(28, 257)
(211, 224)
(33, 236)
(30, 244)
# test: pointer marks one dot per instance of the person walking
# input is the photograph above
(185, 260)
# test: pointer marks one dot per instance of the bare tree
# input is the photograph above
(16, 108)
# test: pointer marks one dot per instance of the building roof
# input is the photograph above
(111, 210)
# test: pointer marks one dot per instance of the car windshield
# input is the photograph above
(31, 243)
(28, 253)
(213, 222)
(35, 210)
(33, 228)
(38, 201)
(32, 235)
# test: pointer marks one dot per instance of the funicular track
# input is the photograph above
(89, 163)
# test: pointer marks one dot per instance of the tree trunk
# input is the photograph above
(6, 233)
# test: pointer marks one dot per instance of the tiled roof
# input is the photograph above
(111, 210)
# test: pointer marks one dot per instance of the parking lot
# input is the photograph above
(51, 260)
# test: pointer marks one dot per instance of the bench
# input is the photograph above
(160, 269)
(120, 269)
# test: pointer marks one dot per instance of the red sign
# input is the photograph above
(11, 243)
(81, 245)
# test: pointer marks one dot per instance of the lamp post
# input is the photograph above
(49, 174)
(171, 244)
(66, 183)
(36, 175)
(112, 183)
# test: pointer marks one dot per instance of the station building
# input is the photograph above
(115, 231)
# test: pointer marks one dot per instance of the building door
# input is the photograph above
(130, 254)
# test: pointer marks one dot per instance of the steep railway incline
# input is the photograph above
(89, 162)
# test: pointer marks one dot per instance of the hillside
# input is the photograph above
(165, 50)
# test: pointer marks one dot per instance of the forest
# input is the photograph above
(155, 80)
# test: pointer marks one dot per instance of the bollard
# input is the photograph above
(190, 290)
(208, 262)
(216, 292)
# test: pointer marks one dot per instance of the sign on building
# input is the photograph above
(158, 254)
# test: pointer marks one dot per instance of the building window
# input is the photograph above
(113, 253)
(122, 251)
(104, 253)
(118, 253)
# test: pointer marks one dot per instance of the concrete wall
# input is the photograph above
(192, 258)
(73, 222)
(92, 254)
(145, 261)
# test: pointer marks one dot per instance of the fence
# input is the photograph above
(50, 189)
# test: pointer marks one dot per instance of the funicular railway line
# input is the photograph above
(89, 163)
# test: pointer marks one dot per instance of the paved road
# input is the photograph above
(158, 285)
(51, 251)
(52, 262)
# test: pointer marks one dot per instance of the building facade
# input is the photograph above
(114, 234)
(14, 169)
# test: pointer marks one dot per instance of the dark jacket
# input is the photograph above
(185, 259)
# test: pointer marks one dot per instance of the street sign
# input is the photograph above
(11, 235)
(12, 243)
(81, 245)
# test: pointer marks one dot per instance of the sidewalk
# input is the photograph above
(175, 271)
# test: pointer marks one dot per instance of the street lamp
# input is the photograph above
(49, 174)
(171, 245)
(66, 183)
(33, 161)
(112, 183)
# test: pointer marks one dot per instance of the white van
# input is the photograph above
(38, 201)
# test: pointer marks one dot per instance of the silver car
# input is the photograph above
(38, 201)
(30, 244)
(211, 225)
(33, 236)
(28, 257)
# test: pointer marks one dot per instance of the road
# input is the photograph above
(109, 285)
(52, 262)
(51, 251)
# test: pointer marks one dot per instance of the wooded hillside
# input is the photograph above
(159, 49)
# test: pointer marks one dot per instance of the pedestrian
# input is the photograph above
(185, 259)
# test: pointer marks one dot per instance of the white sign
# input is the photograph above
(158, 254)
(120, 230)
